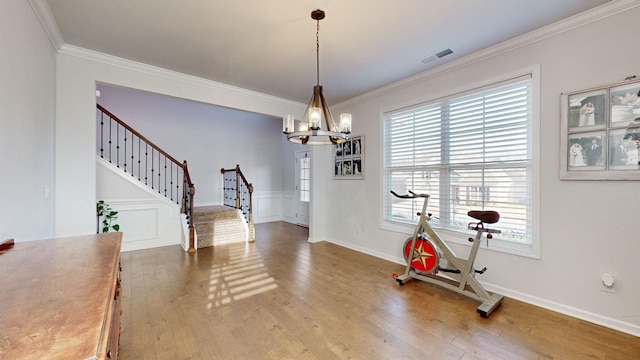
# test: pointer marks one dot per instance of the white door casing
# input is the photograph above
(303, 187)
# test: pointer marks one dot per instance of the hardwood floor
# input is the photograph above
(283, 298)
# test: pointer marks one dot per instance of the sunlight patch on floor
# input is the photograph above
(241, 275)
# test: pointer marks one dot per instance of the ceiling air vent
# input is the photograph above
(437, 56)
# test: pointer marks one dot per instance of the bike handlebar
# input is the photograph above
(412, 196)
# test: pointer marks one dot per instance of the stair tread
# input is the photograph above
(212, 208)
(218, 224)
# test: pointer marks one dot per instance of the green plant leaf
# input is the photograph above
(107, 214)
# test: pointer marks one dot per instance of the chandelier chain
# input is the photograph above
(311, 131)
(318, 53)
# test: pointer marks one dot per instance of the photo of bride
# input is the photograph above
(587, 110)
(576, 156)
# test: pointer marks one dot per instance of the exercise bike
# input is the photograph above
(427, 255)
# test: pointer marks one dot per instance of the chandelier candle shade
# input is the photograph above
(310, 130)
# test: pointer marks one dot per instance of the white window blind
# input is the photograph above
(470, 151)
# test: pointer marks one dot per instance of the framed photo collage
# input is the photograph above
(348, 159)
(600, 132)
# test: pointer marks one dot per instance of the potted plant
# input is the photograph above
(108, 215)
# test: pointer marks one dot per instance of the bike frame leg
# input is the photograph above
(406, 276)
(488, 306)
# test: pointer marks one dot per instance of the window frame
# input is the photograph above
(460, 237)
(304, 180)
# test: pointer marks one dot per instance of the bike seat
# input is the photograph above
(486, 216)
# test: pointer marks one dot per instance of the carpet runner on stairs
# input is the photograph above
(216, 225)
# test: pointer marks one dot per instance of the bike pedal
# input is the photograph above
(480, 271)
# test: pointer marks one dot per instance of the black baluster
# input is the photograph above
(224, 187)
(101, 134)
(159, 172)
(178, 184)
(165, 176)
(228, 193)
(132, 157)
(244, 199)
(139, 157)
(118, 145)
(110, 136)
(152, 170)
(171, 179)
(146, 162)
(125, 150)
(185, 194)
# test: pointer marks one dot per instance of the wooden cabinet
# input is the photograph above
(60, 298)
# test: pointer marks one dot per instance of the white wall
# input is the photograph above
(587, 227)
(27, 75)
(78, 71)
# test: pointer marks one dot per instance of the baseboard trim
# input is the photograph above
(605, 321)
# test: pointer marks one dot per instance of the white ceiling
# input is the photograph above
(269, 46)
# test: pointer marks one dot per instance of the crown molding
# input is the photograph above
(46, 19)
(601, 12)
(43, 13)
(107, 59)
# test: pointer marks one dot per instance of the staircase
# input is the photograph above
(140, 159)
(217, 225)
(145, 162)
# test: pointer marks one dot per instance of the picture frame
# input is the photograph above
(348, 159)
(600, 133)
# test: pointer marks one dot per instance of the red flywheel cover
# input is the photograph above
(425, 258)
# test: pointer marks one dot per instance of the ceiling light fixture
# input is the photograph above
(310, 131)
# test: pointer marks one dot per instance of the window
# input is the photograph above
(478, 193)
(305, 179)
(470, 151)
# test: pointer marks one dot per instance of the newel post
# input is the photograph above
(252, 229)
(237, 186)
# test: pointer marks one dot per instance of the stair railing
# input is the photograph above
(238, 193)
(136, 155)
(187, 206)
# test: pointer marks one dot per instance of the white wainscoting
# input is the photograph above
(267, 206)
(289, 206)
(271, 206)
(147, 223)
(146, 219)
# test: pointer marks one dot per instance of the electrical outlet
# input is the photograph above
(608, 282)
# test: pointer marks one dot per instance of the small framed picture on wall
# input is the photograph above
(348, 159)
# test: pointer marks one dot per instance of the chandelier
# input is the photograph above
(310, 130)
